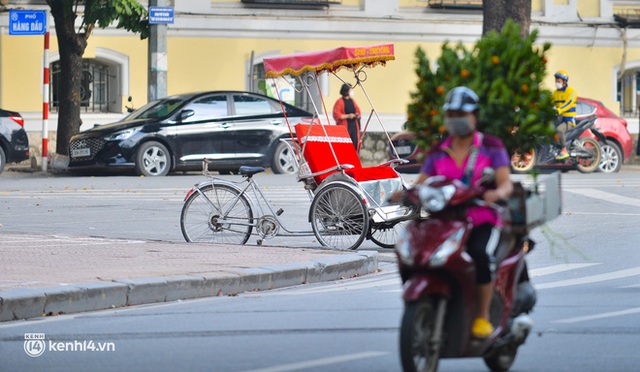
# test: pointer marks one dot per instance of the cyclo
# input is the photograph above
(348, 201)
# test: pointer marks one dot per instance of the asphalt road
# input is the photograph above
(136, 207)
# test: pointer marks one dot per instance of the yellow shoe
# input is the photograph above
(481, 328)
(562, 156)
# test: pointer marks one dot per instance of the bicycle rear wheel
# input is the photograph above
(216, 214)
(339, 217)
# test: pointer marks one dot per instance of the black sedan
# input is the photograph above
(14, 143)
(175, 133)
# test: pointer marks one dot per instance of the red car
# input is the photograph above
(615, 152)
(619, 144)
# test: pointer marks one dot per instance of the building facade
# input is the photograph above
(220, 44)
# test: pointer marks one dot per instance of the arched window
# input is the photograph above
(289, 86)
(94, 88)
(105, 82)
(628, 91)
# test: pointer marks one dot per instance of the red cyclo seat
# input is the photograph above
(319, 156)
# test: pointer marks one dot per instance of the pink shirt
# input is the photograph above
(491, 153)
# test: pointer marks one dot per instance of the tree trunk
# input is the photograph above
(496, 12)
(71, 47)
(520, 12)
(493, 15)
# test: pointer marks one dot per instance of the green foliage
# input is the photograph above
(129, 14)
(505, 71)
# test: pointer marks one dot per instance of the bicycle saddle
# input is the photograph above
(248, 171)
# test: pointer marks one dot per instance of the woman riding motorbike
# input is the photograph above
(464, 155)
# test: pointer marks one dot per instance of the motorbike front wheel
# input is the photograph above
(417, 349)
(589, 154)
(501, 359)
(523, 162)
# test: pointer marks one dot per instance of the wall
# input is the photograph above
(210, 44)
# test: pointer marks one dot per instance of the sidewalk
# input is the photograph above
(50, 275)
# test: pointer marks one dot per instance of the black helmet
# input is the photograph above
(461, 99)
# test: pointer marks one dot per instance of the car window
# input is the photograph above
(584, 109)
(250, 105)
(207, 108)
(156, 109)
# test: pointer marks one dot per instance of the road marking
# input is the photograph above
(279, 196)
(321, 362)
(605, 214)
(599, 316)
(548, 270)
(631, 286)
(607, 196)
(591, 279)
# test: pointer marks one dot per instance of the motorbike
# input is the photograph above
(584, 152)
(439, 280)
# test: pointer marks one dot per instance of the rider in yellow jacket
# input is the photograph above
(564, 97)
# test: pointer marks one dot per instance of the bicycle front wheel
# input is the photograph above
(216, 213)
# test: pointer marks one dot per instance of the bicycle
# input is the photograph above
(223, 211)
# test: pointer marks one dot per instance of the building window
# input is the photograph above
(94, 88)
(289, 89)
(455, 4)
(288, 3)
(629, 93)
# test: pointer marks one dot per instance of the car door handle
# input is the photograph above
(225, 125)
(275, 122)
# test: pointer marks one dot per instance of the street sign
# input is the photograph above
(160, 15)
(27, 22)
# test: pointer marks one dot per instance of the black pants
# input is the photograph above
(353, 128)
(477, 249)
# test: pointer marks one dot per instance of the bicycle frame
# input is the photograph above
(258, 202)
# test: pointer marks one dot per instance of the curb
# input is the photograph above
(31, 303)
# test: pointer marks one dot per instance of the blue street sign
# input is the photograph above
(27, 22)
(160, 15)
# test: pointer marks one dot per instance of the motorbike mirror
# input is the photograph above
(488, 176)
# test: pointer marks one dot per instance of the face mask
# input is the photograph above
(459, 126)
(559, 85)
(351, 93)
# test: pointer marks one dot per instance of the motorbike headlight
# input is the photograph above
(434, 199)
(121, 135)
(446, 249)
(404, 249)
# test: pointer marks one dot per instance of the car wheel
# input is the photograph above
(612, 157)
(284, 161)
(153, 159)
(3, 159)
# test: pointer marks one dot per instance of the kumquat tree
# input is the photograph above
(506, 71)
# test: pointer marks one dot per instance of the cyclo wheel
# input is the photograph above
(339, 217)
(216, 214)
(386, 234)
(588, 164)
(523, 163)
(417, 351)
